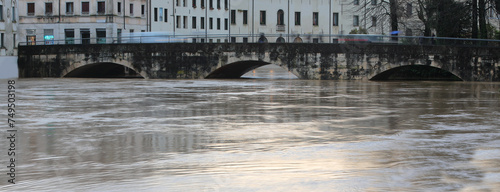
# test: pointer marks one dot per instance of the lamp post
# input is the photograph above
(288, 23)
(330, 24)
(253, 19)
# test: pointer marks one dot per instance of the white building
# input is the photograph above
(8, 28)
(8, 36)
(201, 18)
(245, 20)
(80, 21)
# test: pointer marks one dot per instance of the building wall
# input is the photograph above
(184, 11)
(304, 26)
(186, 17)
(42, 22)
(8, 28)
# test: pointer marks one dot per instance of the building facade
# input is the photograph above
(8, 27)
(246, 20)
(80, 21)
(106, 21)
(199, 18)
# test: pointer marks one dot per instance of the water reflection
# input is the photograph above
(271, 71)
(250, 135)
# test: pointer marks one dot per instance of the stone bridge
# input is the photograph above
(376, 61)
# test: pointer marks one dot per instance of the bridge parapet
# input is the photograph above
(230, 60)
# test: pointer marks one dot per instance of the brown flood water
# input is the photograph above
(255, 135)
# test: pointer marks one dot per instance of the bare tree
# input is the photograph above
(426, 13)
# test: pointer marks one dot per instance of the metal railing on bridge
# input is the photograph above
(272, 38)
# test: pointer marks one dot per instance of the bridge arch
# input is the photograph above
(237, 69)
(416, 72)
(103, 70)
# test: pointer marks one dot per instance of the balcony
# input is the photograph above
(280, 28)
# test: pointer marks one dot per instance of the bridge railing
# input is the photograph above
(271, 38)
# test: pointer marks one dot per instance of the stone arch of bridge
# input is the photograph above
(100, 69)
(416, 72)
(237, 69)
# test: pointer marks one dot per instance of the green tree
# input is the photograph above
(358, 31)
(453, 19)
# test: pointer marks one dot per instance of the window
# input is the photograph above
(101, 7)
(85, 35)
(233, 17)
(335, 19)
(374, 21)
(165, 14)
(1, 40)
(194, 3)
(178, 20)
(202, 4)
(193, 23)
(48, 36)
(218, 23)
(409, 9)
(355, 21)
(119, 35)
(85, 7)
(356, 2)
(202, 23)
(31, 36)
(48, 8)
(226, 21)
(374, 2)
(177, 3)
(69, 8)
(161, 14)
(131, 9)
(143, 10)
(119, 7)
(101, 35)
(263, 17)
(297, 18)
(211, 4)
(211, 23)
(14, 15)
(184, 3)
(226, 4)
(280, 17)
(245, 17)
(315, 18)
(155, 12)
(185, 22)
(218, 4)
(31, 9)
(1, 12)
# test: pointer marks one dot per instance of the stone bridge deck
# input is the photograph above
(231, 60)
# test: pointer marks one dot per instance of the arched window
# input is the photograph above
(280, 40)
(281, 17)
(297, 40)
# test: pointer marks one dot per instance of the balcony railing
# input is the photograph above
(272, 38)
(280, 28)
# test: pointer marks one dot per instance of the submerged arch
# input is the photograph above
(102, 70)
(237, 69)
(416, 72)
